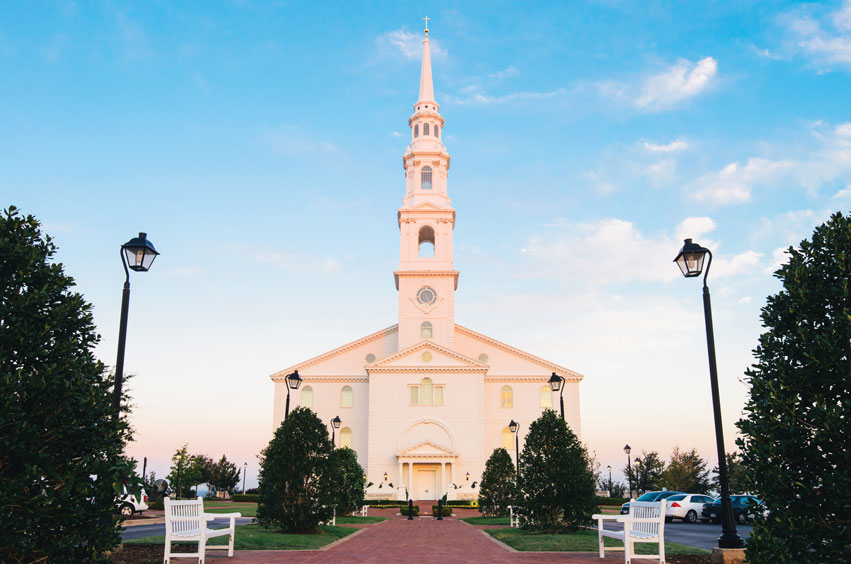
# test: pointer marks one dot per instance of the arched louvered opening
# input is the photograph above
(425, 178)
(507, 397)
(307, 396)
(425, 330)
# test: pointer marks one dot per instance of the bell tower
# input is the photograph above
(426, 278)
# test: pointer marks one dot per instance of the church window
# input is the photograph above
(546, 397)
(507, 439)
(507, 397)
(415, 395)
(345, 437)
(425, 178)
(426, 392)
(416, 130)
(426, 242)
(437, 131)
(307, 396)
(425, 129)
(346, 397)
(425, 330)
(438, 395)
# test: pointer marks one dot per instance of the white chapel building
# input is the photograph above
(424, 402)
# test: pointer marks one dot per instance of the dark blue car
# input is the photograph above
(744, 509)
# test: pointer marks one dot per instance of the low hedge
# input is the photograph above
(158, 504)
(471, 503)
(447, 511)
(611, 500)
(404, 510)
(384, 503)
(246, 497)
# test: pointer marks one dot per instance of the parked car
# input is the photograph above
(745, 507)
(128, 504)
(686, 507)
(649, 496)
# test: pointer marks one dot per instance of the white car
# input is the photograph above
(128, 504)
(686, 507)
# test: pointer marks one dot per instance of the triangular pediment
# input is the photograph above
(426, 448)
(426, 355)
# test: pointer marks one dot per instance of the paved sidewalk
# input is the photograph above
(421, 541)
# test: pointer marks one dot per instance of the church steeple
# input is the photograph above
(426, 84)
(426, 278)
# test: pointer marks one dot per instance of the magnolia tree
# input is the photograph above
(556, 477)
(61, 444)
(348, 480)
(296, 480)
(796, 432)
(499, 484)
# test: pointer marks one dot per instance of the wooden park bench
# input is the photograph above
(645, 523)
(185, 521)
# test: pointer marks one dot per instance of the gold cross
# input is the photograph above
(426, 21)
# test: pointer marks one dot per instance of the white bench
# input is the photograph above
(185, 521)
(513, 518)
(645, 523)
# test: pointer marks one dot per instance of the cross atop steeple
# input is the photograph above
(426, 19)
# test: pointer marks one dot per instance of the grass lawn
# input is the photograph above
(486, 520)
(581, 541)
(246, 510)
(255, 537)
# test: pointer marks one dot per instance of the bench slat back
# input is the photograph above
(184, 516)
(651, 515)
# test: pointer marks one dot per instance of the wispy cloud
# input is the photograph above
(672, 147)
(133, 39)
(476, 94)
(824, 37)
(573, 252)
(828, 161)
(407, 44)
(509, 72)
(288, 140)
(665, 89)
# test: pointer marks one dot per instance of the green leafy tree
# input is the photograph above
(499, 484)
(295, 480)
(647, 471)
(186, 471)
(555, 477)
(686, 472)
(222, 476)
(348, 480)
(61, 461)
(796, 431)
(737, 475)
(615, 489)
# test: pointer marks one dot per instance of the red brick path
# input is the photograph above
(421, 541)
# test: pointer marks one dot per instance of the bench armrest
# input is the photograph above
(211, 516)
(599, 517)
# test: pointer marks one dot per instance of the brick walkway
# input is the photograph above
(421, 541)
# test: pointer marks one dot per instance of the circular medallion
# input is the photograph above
(426, 356)
(370, 358)
(427, 295)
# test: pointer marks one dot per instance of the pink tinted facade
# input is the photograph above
(425, 401)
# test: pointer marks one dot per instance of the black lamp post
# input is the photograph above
(610, 478)
(335, 424)
(244, 471)
(627, 449)
(514, 427)
(138, 253)
(556, 383)
(690, 260)
(293, 382)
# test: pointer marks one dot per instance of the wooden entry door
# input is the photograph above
(426, 485)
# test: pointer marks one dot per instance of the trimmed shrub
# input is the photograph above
(404, 510)
(246, 497)
(612, 500)
(296, 481)
(447, 511)
(348, 480)
(499, 484)
(471, 503)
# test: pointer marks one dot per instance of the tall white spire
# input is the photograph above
(426, 84)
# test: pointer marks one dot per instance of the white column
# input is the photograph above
(400, 477)
(442, 478)
(410, 479)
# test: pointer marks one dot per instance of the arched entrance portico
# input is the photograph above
(426, 470)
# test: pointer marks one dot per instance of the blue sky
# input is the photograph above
(259, 145)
